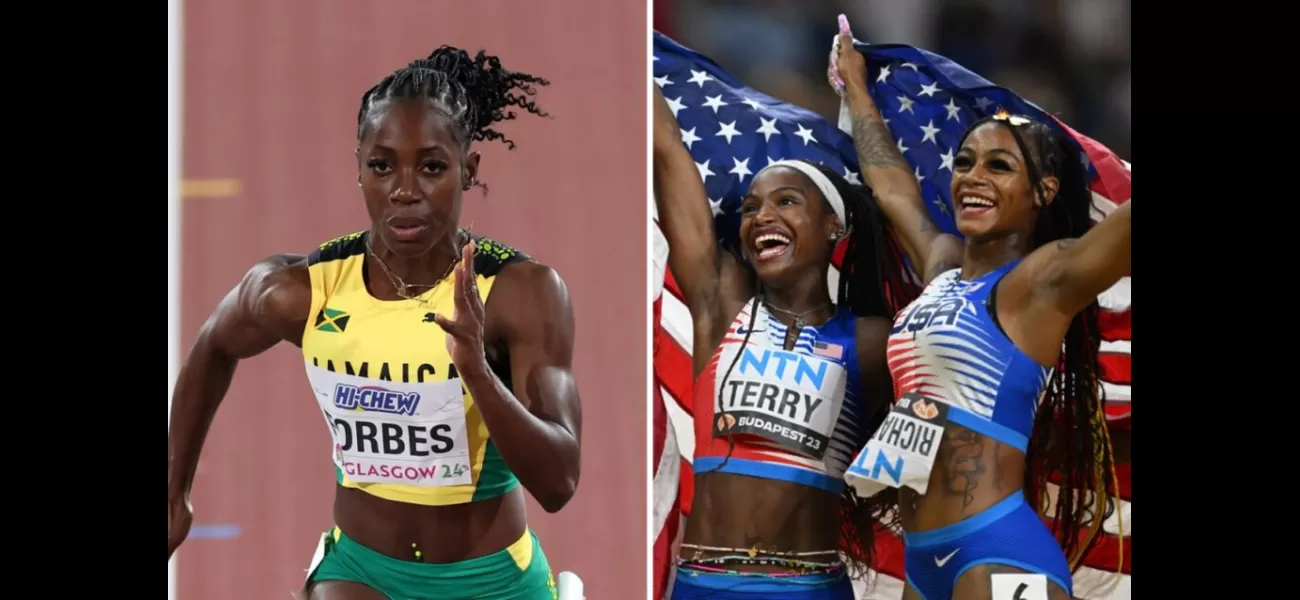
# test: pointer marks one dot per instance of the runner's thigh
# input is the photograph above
(343, 590)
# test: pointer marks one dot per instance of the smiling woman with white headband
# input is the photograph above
(788, 383)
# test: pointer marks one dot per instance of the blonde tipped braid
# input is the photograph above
(1104, 454)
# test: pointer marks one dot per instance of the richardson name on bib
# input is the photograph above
(903, 449)
(788, 398)
(387, 432)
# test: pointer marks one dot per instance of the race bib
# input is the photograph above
(903, 449)
(395, 433)
(788, 398)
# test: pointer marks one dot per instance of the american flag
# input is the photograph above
(667, 462)
(733, 131)
(831, 351)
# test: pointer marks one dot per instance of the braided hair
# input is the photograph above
(474, 93)
(871, 284)
(1070, 443)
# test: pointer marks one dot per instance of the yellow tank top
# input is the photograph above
(402, 425)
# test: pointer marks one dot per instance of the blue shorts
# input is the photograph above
(1008, 533)
(691, 584)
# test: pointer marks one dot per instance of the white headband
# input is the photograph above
(819, 179)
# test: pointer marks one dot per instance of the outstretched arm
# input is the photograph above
(891, 180)
(1069, 275)
(538, 427)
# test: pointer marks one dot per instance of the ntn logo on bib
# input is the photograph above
(789, 398)
(902, 451)
(413, 434)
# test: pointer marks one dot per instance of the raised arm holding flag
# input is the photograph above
(974, 354)
(789, 382)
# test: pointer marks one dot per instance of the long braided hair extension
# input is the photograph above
(474, 93)
(1070, 444)
(872, 283)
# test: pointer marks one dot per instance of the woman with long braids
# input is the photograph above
(440, 360)
(787, 381)
(996, 360)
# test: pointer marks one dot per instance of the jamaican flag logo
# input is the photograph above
(334, 321)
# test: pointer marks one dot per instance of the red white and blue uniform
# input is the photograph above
(948, 348)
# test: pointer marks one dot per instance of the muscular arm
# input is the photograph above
(269, 305)
(1067, 276)
(896, 190)
(538, 428)
(696, 261)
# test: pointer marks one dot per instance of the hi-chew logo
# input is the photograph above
(375, 399)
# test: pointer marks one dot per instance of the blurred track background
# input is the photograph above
(270, 94)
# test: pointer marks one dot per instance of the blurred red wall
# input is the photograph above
(665, 17)
(271, 94)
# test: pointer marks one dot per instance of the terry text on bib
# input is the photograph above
(395, 433)
(903, 449)
(788, 398)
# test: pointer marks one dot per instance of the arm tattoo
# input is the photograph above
(963, 457)
(876, 148)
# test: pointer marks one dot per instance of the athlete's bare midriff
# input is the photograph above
(743, 512)
(972, 472)
(443, 534)
(738, 511)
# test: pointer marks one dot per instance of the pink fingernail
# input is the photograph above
(844, 24)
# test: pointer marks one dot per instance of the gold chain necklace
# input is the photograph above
(798, 317)
(792, 333)
(404, 289)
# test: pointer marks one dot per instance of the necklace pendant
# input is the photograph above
(798, 323)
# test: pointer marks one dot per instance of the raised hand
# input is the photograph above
(465, 327)
(848, 68)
